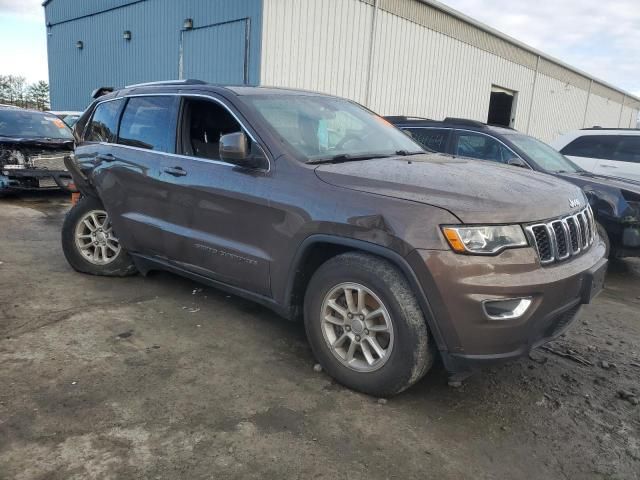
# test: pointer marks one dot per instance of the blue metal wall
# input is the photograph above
(153, 53)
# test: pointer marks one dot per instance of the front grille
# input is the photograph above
(48, 161)
(562, 238)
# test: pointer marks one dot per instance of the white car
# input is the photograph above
(607, 151)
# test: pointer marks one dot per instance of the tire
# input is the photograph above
(115, 263)
(605, 238)
(407, 351)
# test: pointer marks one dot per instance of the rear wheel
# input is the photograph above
(89, 243)
(365, 326)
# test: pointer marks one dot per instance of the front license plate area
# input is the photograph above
(593, 282)
(47, 182)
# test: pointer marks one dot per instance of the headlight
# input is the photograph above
(485, 240)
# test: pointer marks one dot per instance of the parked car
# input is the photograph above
(606, 151)
(319, 209)
(33, 146)
(615, 202)
(68, 117)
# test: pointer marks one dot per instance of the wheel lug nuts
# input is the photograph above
(357, 338)
(366, 332)
(361, 317)
(350, 315)
(348, 328)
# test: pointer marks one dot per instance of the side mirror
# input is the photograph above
(517, 162)
(236, 148)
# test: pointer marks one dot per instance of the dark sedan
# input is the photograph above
(33, 146)
(615, 201)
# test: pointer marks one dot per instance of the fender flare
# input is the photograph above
(388, 254)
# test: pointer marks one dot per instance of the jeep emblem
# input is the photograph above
(574, 202)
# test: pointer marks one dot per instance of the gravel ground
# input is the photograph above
(161, 378)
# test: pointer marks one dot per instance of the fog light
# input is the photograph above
(508, 309)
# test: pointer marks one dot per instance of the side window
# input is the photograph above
(482, 147)
(592, 146)
(432, 138)
(628, 149)
(203, 123)
(103, 126)
(149, 122)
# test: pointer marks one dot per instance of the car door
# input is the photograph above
(625, 159)
(436, 139)
(130, 177)
(482, 147)
(216, 212)
(587, 151)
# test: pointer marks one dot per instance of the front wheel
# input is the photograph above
(89, 243)
(365, 326)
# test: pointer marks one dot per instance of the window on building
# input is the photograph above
(203, 123)
(149, 122)
(592, 146)
(103, 126)
(482, 147)
(435, 139)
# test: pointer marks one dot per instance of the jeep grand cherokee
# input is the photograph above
(321, 210)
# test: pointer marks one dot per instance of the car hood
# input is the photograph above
(44, 143)
(592, 179)
(475, 191)
(612, 197)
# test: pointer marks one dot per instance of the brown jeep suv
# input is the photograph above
(320, 210)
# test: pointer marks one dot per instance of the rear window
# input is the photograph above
(149, 122)
(592, 146)
(624, 148)
(103, 126)
(432, 138)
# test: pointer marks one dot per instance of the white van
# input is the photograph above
(611, 151)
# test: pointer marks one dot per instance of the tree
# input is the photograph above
(38, 95)
(15, 91)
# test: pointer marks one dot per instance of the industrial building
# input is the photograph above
(410, 57)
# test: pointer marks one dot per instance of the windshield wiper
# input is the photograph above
(345, 157)
(406, 153)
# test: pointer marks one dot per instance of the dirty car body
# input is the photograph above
(615, 201)
(260, 229)
(33, 146)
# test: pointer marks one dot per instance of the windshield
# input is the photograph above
(25, 124)
(543, 155)
(319, 128)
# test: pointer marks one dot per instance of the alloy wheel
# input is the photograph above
(95, 239)
(357, 327)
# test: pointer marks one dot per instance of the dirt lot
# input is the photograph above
(155, 378)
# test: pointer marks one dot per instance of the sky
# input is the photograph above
(600, 37)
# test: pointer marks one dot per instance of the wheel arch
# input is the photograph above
(317, 249)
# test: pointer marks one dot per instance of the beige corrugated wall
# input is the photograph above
(411, 59)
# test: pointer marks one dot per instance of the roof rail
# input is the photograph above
(403, 118)
(464, 121)
(597, 127)
(189, 81)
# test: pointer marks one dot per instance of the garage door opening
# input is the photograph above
(502, 107)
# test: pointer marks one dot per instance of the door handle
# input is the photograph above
(106, 157)
(608, 166)
(175, 171)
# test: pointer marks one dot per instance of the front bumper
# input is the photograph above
(34, 179)
(457, 286)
